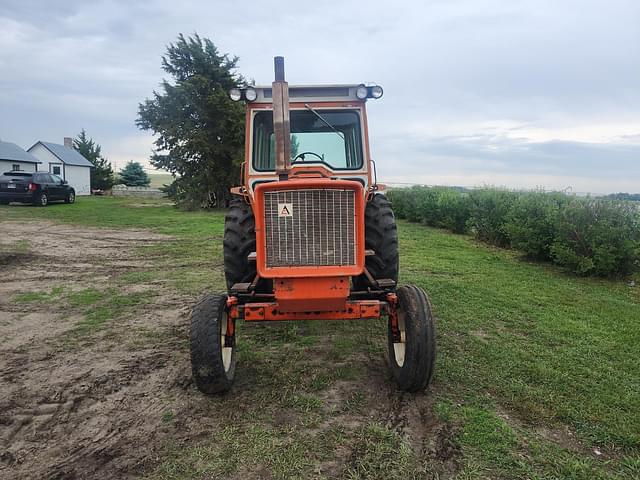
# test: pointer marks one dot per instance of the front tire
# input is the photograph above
(41, 200)
(213, 354)
(412, 359)
(71, 197)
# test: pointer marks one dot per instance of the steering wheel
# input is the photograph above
(301, 156)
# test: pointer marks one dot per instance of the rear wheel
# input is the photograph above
(239, 241)
(41, 200)
(412, 356)
(381, 236)
(213, 352)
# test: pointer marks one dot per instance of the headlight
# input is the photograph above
(376, 91)
(250, 94)
(362, 92)
(235, 94)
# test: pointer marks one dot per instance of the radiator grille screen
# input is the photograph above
(312, 227)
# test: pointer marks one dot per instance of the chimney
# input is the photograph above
(68, 142)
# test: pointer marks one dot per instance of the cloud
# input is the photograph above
(484, 89)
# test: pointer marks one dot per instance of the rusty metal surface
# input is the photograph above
(353, 310)
(317, 229)
(281, 126)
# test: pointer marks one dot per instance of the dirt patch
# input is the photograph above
(95, 411)
(108, 405)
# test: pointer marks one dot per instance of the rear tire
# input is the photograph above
(213, 364)
(239, 241)
(413, 359)
(41, 200)
(381, 236)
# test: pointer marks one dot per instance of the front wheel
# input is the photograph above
(412, 349)
(213, 352)
(71, 197)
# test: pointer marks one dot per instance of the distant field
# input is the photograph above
(160, 179)
(537, 375)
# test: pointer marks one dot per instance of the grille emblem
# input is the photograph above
(285, 210)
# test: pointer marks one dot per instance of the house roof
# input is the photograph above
(11, 151)
(68, 156)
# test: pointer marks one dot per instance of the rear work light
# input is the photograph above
(32, 187)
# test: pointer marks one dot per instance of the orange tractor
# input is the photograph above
(308, 235)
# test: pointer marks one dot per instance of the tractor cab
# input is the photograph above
(327, 132)
(308, 236)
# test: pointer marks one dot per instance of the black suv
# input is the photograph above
(38, 188)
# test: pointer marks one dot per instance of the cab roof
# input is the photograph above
(311, 93)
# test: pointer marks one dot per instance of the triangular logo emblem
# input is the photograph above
(285, 210)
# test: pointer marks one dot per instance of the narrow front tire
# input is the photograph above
(412, 353)
(213, 352)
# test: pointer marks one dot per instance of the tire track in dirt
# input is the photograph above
(94, 410)
(412, 416)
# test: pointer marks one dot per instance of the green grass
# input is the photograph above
(186, 262)
(536, 369)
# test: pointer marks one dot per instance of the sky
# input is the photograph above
(522, 94)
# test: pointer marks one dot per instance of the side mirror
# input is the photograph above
(64, 182)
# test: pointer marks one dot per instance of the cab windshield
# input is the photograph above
(334, 140)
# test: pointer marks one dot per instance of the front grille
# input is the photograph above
(314, 227)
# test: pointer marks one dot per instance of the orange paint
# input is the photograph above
(308, 271)
(351, 310)
(247, 177)
(311, 294)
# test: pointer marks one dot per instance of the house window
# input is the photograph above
(15, 167)
(56, 170)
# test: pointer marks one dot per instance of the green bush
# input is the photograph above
(488, 213)
(434, 206)
(598, 237)
(406, 202)
(531, 222)
(590, 237)
(453, 209)
(398, 198)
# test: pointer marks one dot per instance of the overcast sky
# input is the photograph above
(515, 93)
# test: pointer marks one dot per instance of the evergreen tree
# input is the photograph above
(133, 175)
(102, 177)
(199, 130)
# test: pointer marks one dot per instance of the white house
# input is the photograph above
(66, 162)
(13, 158)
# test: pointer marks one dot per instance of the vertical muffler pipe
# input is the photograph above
(281, 126)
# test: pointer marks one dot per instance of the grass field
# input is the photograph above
(159, 179)
(537, 374)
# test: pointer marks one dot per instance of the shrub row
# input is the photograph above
(589, 236)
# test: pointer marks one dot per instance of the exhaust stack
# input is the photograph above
(281, 127)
